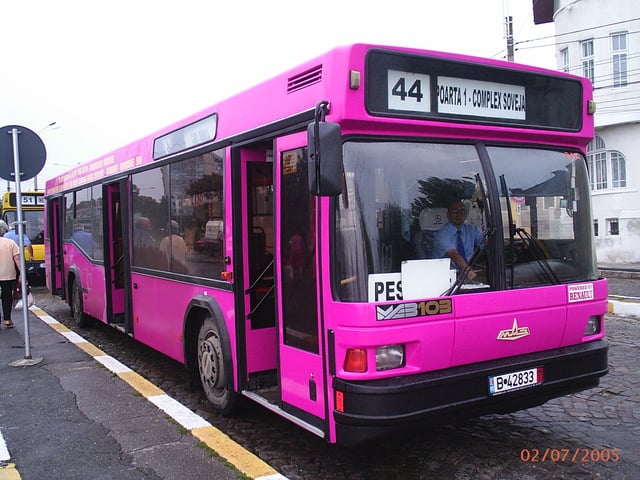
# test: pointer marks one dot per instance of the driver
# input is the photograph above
(457, 239)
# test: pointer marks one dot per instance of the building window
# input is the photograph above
(564, 60)
(587, 59)
(596, 161)
(607, 168)
(595, 227)
(612, 226)
(619, 58)
(618, 170)
(599, 180)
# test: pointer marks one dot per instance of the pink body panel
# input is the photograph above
(261, 349)
(470, 333)
(92, 280)
(295, 385)
(159, 310)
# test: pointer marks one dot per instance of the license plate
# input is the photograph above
(508, 382)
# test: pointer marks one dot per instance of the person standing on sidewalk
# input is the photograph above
(9, 267)
(12, 233)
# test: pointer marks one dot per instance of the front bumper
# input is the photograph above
(378, 407)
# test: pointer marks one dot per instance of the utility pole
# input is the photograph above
(509, 35)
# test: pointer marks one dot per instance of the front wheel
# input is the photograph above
(213, 372)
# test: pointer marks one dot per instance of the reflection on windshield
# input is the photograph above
(397, 221)
(546, 216)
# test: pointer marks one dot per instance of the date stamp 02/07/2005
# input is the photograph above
(574, 455)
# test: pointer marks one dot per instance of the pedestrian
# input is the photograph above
(12, 233)
(9, 269)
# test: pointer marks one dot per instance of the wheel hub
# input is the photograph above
(209, 362)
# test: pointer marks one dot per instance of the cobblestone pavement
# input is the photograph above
(593, 434)
(623, 287)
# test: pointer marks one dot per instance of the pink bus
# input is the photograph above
(294, 244)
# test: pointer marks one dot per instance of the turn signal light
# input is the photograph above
(339, 401)
(356, 360)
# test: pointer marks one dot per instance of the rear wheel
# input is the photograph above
(77, 312)
(214, 375)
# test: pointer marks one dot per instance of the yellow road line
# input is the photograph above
(9, 472)
(241, 459)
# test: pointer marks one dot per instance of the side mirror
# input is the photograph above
(325, 159)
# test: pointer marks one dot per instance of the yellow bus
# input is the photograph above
(33, 215)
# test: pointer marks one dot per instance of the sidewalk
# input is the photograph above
(68, 417)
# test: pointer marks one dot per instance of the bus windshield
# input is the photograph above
(397, 197)
(34, 224)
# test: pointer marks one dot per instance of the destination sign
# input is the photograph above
(461, 96)
(456, 96)
(28, 199)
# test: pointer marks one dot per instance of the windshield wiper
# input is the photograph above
(512, 227)
(472, 261)
(538, 255)
(490, 230)
(529, 243)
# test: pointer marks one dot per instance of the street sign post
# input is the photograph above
(25, 150)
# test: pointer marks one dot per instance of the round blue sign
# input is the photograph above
(31, 153)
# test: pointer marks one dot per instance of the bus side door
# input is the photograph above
(302, 378)
(257, 218)
(117, 274)
(54, 260)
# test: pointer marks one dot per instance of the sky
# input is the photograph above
(106, 73)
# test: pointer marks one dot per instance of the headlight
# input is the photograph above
(593, 325)
(388, 357)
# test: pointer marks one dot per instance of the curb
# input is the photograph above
(618, 307)
(242, 460)
(629, 274)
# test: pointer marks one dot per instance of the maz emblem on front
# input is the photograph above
(515, 333)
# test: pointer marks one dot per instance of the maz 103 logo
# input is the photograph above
(413, 309)
(514, 333)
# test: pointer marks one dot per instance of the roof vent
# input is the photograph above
(304, 79)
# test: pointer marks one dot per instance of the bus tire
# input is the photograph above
(214, 376)
(77, 313)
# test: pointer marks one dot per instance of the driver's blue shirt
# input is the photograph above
(445, 239)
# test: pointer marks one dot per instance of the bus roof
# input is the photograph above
(296, 91)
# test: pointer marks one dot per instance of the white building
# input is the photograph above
(600, 39)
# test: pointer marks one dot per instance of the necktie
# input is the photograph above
(460, 245)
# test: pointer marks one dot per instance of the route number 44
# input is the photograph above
(408, 91)
(414, 91)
